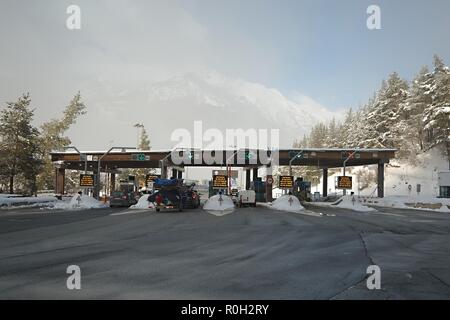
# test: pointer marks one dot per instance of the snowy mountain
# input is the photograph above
(220, 102)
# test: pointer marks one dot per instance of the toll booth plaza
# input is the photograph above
(248, 159)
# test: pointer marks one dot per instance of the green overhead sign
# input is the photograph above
(140, 157)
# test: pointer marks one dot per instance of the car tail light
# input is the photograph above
(124, 197)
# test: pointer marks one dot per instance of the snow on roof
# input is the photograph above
(290, 149)
(70, 151)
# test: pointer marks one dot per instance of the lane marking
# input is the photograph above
(130, 211)
(220, 213)
(388, 214)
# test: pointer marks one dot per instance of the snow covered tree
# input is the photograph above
(52, 138)
(19, 145)
(318, 137)
(144, 143)
(412, 119)
(436, 117)
(332, 139)
(384, 115)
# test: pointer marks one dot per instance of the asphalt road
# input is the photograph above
(252, 253)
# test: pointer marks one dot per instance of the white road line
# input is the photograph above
(388, 214)
(129, 211)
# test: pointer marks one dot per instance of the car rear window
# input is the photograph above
(117, 194)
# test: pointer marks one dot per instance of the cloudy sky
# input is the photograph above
(317, 54)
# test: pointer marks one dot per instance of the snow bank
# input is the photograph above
(411, 202)
(401, 177)
(216, 205)
(80, 202)
(14, 200)
(346, 202)
(8, 195)
(287, 203)
(353, 203)
(143, 203)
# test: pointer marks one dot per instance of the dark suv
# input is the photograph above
(191, 199)
(122, 199)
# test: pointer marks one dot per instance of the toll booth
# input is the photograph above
(444, 184)
(259, 187)
(302, 189)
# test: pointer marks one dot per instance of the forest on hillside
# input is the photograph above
(411, 117)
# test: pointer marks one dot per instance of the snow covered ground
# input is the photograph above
(7, 200)
(401, 178)
(218, 205)
(346, 202)
(362, 203)
(143, 203)
(287, 203)
(84, 202)
(79, 202)
(410, 202)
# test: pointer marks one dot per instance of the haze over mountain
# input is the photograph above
(219, 101)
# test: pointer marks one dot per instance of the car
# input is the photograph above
(122, 199)
(247, 198)
(234, 195)
(191, 199)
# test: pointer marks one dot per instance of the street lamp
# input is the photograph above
(229, 170)
(82, 155)
(344, 192)
(298, 155)
(123, 149)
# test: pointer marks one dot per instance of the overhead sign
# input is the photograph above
(297, 154)
(233, 173)
(149, 178)
(140, 157)
(87, 180)
(286, 182)
(220, 181)
(344, 182)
